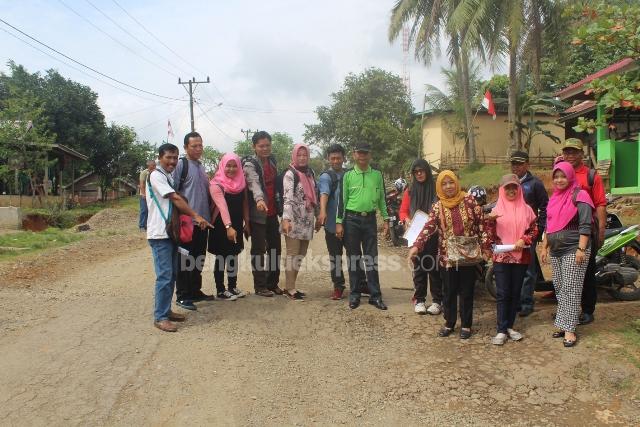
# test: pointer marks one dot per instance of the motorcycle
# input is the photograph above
(396, 230)
(617, 271)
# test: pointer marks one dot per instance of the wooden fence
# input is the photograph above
(459, 162)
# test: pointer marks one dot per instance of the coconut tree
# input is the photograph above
(428, 20)
(513, 28)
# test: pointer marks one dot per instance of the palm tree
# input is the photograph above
(429, 19)
(511, 27)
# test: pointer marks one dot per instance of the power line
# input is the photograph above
(192, 83)
(129, 33)
(156, 37)
(86, 66)
(78, 69)
(204, 113)
(145, 109)
(116, 40)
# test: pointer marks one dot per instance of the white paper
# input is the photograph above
(417, 224)
(500, 249)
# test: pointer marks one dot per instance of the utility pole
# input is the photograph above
(192, 85)
(247, 132)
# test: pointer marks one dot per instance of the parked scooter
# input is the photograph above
(617, 272)
(394, 200)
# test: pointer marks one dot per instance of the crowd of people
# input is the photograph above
(248, 197)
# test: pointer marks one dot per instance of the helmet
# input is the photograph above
(400, 184)
(479, 193)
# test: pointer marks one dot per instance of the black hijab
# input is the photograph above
(423, 194)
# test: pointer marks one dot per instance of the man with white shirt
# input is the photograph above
(161, 199)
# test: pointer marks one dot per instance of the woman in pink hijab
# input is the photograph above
(230, 218)
(569, 220)
(298, 217)
(512, 222)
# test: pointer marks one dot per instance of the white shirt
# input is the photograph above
(162, 186)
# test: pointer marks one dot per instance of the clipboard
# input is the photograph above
(420, 218)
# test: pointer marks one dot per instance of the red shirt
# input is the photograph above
(270, 187)
(405, 206)
(597, 191)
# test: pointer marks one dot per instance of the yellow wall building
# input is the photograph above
(441, 145)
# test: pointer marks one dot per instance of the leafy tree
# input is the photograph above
(617, 28)
(528, 123)
(281, 147)
(498, 85)
(210, 158)
(24, 141)
(112, 158)
(371, 107)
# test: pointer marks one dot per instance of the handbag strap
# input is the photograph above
(155, 199)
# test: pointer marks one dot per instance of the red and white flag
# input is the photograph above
(487, 102)
(169, 130)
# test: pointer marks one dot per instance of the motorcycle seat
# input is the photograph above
(612, 232)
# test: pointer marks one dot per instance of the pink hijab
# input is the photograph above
(306, 179)
(515, 216)
(561, 210)
(229, 185)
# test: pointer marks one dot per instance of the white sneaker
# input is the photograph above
(514, 335)
(239, 293)
(434, 309)
(499, 339)
(420, 308)
(227, 296)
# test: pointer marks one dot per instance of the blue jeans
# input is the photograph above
(165, 262)
(530, 280)
(361, 244)
(142, 222)
(509, 279)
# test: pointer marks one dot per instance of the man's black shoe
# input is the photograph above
(377, 303)
(201, 296)
(187, 304)
(354, 304)
(585, 319)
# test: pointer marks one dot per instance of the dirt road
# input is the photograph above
(78, 348)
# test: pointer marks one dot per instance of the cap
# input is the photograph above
(519, 157)
(573, 143)
(509, 178)
(362, 146)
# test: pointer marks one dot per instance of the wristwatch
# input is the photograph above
(228, 226)
(581, 249)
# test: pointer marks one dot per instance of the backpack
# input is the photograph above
(280, 187)
(335, 180)
(179, 227)
(184, 173)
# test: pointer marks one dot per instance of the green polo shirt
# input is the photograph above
(362, 191)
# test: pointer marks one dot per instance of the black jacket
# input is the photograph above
(536, 196)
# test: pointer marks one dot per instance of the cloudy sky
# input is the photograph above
(271, 63)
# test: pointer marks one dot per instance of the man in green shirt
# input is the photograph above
(362, 194)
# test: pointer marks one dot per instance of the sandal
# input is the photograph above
(570, 343)
(558, 334)
(445, 332)
(465, 334)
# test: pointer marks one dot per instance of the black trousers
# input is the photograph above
(427, 272)
(189, 278)
(230, 264)
(266, 248)
(335, 248)
(361, 244)
(509, 278)
(589, 289)
(458, 283)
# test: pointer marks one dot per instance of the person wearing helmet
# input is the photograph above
(400, 184)
(479, 193)
(421, 196)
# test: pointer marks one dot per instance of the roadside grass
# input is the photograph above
(57, 217)
(631, 336)
(485, 175)
(24, 242)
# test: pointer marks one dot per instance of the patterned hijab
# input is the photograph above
(449, 202)
(306, 178)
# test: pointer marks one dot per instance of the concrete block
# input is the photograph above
(11, 218)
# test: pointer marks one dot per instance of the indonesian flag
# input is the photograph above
(487, 102)
(169, 130)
